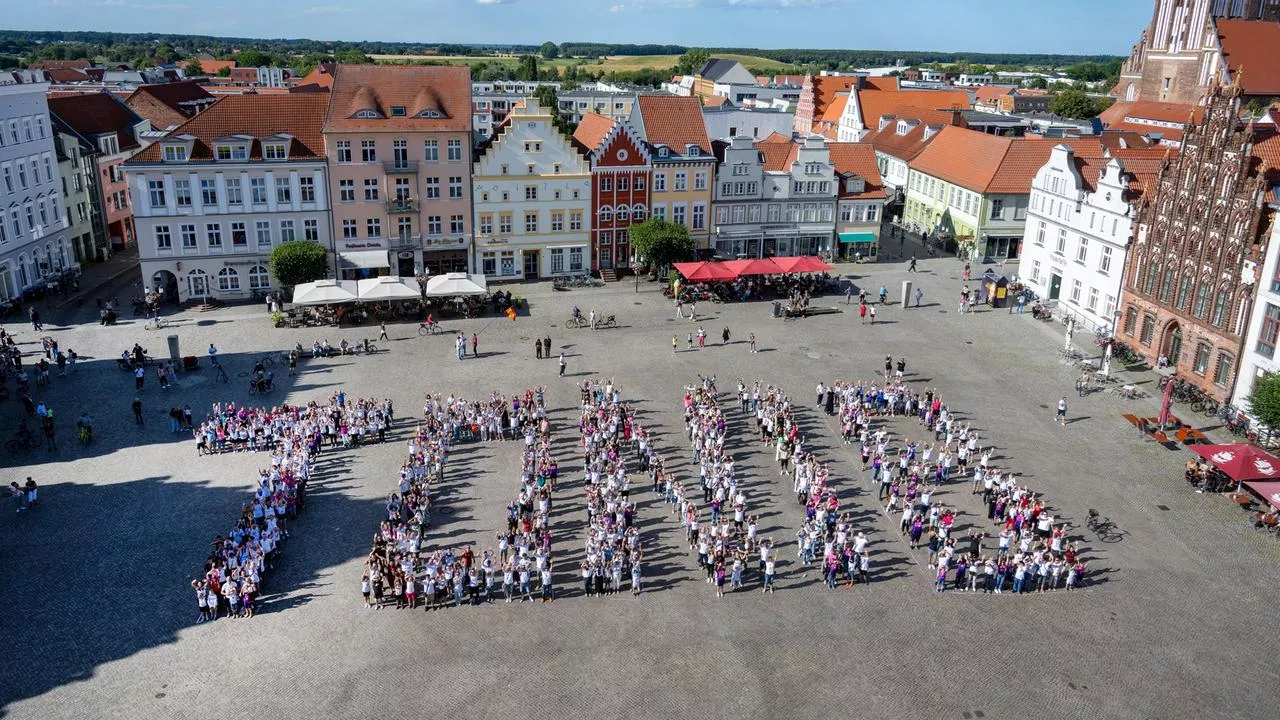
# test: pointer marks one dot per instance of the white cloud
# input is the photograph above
(492, 2)
(617, 8)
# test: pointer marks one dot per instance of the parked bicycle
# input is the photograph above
(156, 323)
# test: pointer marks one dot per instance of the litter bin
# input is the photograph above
(996, 288)
(777, 308)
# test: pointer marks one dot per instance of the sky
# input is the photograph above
(1077, 27)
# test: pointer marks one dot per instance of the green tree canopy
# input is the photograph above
(1035, 83)
(1264, 401)
(549, 50)
(692, 61)
(298, 261)
(659, 243)
(528, 69)
(1073, 103)
(193, 67)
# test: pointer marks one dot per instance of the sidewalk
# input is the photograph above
(95, 277)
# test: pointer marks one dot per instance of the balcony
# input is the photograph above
(400, 167)
(402, 204)
(405, 242)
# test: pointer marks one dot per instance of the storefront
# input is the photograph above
(361, 264)
(1002, 247)
(860, 245)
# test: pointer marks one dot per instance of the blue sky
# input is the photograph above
(1080, 26)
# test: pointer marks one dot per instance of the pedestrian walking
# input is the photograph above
(674, 345)
(1062, 411)
(751, 342)
(382, 328)
(19, 497)
(966, 272)
(848, 296)
(872, 310)
(32, 491)
(1022, 302)
(702, 338)
(912, 266)
(919, 294)
(593, 318)
(679, 309)
(689, 342)
(693, 312)
(862, 312)
(293, 361)
(475, 345)
(561, 363)
(724, 336)
(139, 377)
(137, 410)
(35, 319)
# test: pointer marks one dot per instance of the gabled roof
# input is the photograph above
(97, 114)
(168, 104)
(1249, 51)
(592, 130)
(777, 156)
(825, 89)
(876, 103)
(908, 145)
(673, 121)
(775, 137)
(716, 101)
(443, 89)
(299, 115)
(857, 159)
(716, 68)
(1142, 165)
(1150, 110)
(1023, 160)
(213, 67)
(66, 75)
(990, 93)
(988, 163)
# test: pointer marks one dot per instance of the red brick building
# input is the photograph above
(1190, 274)
(621, 172)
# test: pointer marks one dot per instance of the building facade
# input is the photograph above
(1190, 280)
(219, 193)
(399, 144)
(532, 192)
(684, 166)
(726, 122)
(861, 199)
(1258, 356)
(621, 173)
(33, 236)
(81, 194)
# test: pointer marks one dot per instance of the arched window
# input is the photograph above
(1153, 271)
(259, 278)
(1184, 293)
(228, 280)
(638, 213)
(1219, 308)
(606, 214)
(1166, 285)
(1202, 299)
(624, 213)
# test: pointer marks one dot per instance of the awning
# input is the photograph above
(1269, 491)
(857, 237)
(457, 284)
(364, 259)
(324, 292)
(1241, 461)
(387, 287)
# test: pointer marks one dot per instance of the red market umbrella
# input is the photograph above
(754, 267)
(790, 264)
(1269, 491)
(813, 264)
(712, 271)
(685, 268)
(1241, 461)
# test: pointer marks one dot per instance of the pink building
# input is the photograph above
(398, 139)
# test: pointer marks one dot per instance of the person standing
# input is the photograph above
(724, 336)
(382, 331)
(32, 491)
(751, 342)
(562, 363)
(19, 497)
(674, 345)
(593, 318)
(546, 346)
(137, 410)
(35, 319)
(139, 377)
(213, 355)
(872, 310)
(919, 294)
(475, 345)
(1062, 411)
(862, 312)
(537, 347)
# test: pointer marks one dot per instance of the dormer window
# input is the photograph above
(398, 111)
(231, 152)
(884, 121)
(275, 151)
(175, 153)
(692, 150)
(662, 151)
(430, 114)
(855, 184)
(903, 128)
(368, 114)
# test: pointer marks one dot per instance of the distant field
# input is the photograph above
(618, 63)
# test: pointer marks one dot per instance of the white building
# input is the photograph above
(726, 121)
(1079, 225)
(33, 230)
(1259, 354)
(532, 196)
(214, 197)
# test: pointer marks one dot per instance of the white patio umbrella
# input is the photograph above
(325, 292)
(455, 284)
(388, 287)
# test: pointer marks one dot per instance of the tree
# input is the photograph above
(193, 67)
(549, 50)
(224, 71)
(1073, 103)
(658, 243)
(1264, 401)
(298, 261)
(1035, 83)
(692, 61)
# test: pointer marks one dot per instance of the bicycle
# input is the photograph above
(1104, 528)
(220, 374)
(85, 434)
(429, 329)
(22, 442)
(156, 323)
(575, 322)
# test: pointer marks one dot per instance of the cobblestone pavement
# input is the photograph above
(99, 621)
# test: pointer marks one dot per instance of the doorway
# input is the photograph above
(1055, 286)
(1173, 345)
(531, 265)
(197, 285)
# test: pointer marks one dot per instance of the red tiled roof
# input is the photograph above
(163, 104)
(1166, 133)
(990, 93)
(1031, 92)
(59, 65)
(322, 75)
(592, 130)
(1249, 50)
(910, 144)
(774, 137)
(1143, 166)
(65, 75)
(778, 156)
(1024, 159)
(858, 159)
(883, 82)
(825, 88)
(789, 79)
(674, 122)
(211, 67)
(444, 89)
(259, 116)
(989, 163)
(97, 114)
(1150, 110)
(715, 101)
(876, 103)
(1266, 148)
(1117, 139)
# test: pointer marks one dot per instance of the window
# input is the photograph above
(373, 226)
(239, 236)
(1092, 304)
(1222, 371)
(455, 150)
(431, 150)
(175, 153)
(678, 214)
(637, 213)
(575, 219)
(1184, 293)
(274, 151)
(623, 213)
(997, 208)
(368, 151)
(455, 188)
(1270, 330)
(488, 263)
(680, 182)
(1219, 308)
(307, 189)
(8, 179)
(286, 231)
(228, 280)
(1035, 271)
(557, 220)
(433, 188)
(1148, 329)
(435, 225)
(486, 224)
(213, 236)
(575, 259)
(258, 191)
(347, 190)
(262, 229)
(1201, 363)
(1130, 320)
(531, 222)
(557, 260)
(623, 185)
(164, 241)
(1104, 262)
(1202, 299)
(1082, 250)
(660, 182)
(1076, 288)
(344, 151)
(606, 184)
(1166, 285)
(1061, 248)
(208, 192)
(349, 231)
(259, 278)
(456, 225)
(606, 214)
(188, 235)
(699, 216)
(504, 223)
(700, 180)
(1109, 312)
(284, 191)
(182, 193)
(371, 189)
(531, 147)
(235, 196)
(311, 230)
(155, 188)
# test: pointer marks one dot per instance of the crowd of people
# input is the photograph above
(235, 569)
(1031, 549)
(611, 440)
(400, 570)
(342, 422)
